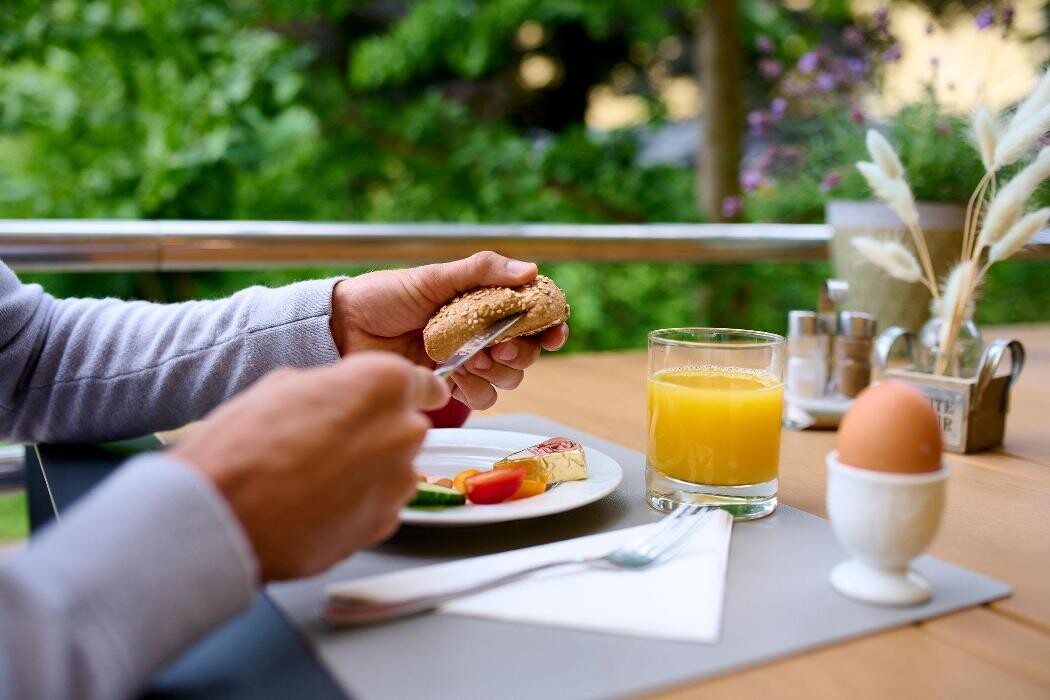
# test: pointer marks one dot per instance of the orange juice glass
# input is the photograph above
(715, 397)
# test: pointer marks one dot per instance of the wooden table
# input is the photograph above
(997, 522)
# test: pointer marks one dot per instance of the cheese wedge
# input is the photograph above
(551, 461)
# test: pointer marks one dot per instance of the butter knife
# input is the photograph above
(476, 344)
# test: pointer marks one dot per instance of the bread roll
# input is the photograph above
(458, 320)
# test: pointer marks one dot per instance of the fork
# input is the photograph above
(667, 539)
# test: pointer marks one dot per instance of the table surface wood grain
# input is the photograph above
(997, 522)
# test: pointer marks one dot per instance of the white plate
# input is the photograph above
(448, 451)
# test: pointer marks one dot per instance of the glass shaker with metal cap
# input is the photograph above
(806, 374)
(853, 348)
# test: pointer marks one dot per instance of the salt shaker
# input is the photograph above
(806, 375)
(853, 347)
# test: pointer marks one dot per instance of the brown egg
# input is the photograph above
(891, 427)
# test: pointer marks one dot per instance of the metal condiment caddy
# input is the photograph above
(972, 410)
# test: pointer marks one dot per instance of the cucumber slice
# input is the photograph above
(430, 495)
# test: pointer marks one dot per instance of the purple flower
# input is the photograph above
(892, 54)
(731, 207)
(856, 66)
(759, 122)
(830, 181)
(809, 62)
(826, 82)
(764, 44)
(855, 115)
(985, 18)
(751, 181)
(935, 61)
(770, 68)
(852, 37)
(882, 19)
(778, 107)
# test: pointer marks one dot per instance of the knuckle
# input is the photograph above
(485, 259)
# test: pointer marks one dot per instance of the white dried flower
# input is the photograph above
(884, 156)
(1018, 235)
(955, 298)
(985, 137)
(889, 256)
(1022, 135)
(893, 191)
(1039, 98)
(1006, 206)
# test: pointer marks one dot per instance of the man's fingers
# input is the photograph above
(428, 392)
(477, 392)
(498, 374)
(441, 282)
(555, 338)
(518, 353)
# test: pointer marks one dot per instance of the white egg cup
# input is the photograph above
(884, 520)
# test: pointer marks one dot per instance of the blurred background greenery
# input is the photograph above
(496, 111)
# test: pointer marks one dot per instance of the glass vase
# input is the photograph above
(966, 354)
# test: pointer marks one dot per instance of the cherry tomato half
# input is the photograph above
(494, 486)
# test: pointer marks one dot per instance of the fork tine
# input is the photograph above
(675, 537)
(696, 523)
(667, 529)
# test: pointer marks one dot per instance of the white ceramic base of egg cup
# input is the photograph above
(883, 519)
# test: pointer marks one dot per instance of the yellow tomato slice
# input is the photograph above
(459, 479)
(528, 488)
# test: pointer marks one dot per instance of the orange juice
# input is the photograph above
(715, 425)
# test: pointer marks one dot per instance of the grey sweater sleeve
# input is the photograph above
(147, 563)
(92, 370)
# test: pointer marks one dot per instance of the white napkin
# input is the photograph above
(679, 600)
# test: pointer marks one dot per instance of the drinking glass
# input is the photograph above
(715, 397)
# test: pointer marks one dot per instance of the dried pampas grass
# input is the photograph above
(984, 135)
(884, 156)
(893, 191)
(958, 288)
(1019, 139)
(1018, 235)
(1003, 229)
(1006, 206)
(891, 257)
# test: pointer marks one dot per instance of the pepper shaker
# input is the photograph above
(853, 349)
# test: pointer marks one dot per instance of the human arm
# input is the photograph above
(173, 544)
(98, 369)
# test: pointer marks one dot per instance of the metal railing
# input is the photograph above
(95, 244)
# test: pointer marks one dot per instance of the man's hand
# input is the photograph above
(387, 311)
(317, 463)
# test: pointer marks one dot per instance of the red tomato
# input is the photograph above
(494, 486)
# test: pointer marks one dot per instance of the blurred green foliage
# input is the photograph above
(14, 518)
(352, 110)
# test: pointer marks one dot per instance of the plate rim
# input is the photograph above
(418, 518)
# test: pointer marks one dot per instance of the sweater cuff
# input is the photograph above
(144, 566)
(290, 326)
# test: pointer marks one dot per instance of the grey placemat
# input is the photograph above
(778, 603)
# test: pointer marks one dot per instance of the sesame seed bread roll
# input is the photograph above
(456, 321)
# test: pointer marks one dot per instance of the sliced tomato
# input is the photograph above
(458, 481)
(494, 486)
(529, 487)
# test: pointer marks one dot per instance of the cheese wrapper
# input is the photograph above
(551, 461)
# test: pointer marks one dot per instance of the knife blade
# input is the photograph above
(476, 344)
